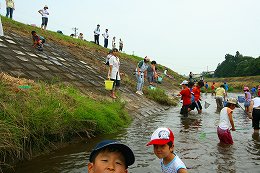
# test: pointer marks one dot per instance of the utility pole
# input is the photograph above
(75, 31)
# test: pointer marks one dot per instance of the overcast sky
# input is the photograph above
(185, 35)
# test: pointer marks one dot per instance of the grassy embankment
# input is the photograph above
(236, 84)
(33, 119)
(156, 95)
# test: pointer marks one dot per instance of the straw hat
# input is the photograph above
(232, 101)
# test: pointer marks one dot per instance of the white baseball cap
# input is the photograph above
(161, 136)
(184, 82)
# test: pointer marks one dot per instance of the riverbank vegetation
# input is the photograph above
(81, 45)
(34, 115)
(236, 84)
(238, 65)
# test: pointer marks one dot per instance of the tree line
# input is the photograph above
(238, 65)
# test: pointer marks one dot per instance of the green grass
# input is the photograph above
(160, 96)
(33, 119)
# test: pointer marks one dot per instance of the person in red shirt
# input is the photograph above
(196, 103)
(213, 89)
(186, 98)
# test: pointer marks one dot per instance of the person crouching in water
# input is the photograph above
(226, 122)
(186, 98)
(196, 92)
(37, 41)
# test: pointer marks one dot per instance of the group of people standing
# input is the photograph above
(144, 69)
(106, 37)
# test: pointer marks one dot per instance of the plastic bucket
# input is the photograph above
(109, 84)
(159, 79)
(241, 99)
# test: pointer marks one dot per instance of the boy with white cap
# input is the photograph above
(186, 98)
(162, 140)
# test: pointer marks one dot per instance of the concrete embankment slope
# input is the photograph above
(85, 70)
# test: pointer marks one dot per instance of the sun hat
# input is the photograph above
(161, 136)
(126, 151)
(246, 88)
(184, 82)
(232, 101)
(46, 6)
(147, 59)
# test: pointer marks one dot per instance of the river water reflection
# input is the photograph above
(198, 150)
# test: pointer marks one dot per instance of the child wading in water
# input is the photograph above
(186, 98)
(37, 41)
(162, 140)
(248, 98)
(226, 122)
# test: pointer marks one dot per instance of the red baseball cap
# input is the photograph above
(161, 136)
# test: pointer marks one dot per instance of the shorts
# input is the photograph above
(256, 119)
(150, 78)
(184, 110)
(224, 136)
(196, 105)
(116, 83)
(247, 103)
(44, 21)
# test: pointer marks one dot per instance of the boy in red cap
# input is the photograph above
(162, 140)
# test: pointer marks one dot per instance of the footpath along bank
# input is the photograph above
(59, 93)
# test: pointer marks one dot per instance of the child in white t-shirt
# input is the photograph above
(226, 122)
(162, 140)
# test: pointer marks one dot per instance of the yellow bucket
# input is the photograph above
(109, 84)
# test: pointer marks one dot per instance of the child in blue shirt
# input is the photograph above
(162, 140)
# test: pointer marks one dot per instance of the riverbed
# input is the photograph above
(196, 143)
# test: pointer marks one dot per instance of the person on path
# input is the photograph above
(114, 42)
(162, 140)
(44, 12)
(9, 8)
(96, 34)
(190, 76)
(141, 72)
(248, 98)
(151, 73)
(114, 73)
(226, 122)
(110, 156)
(81, 37)
(105, 35)
(121, 44)
(196, 91)
(213, 89)
(255, 111)
(186, 98)
(220, 97)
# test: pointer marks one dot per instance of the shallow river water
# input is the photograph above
(196, 143)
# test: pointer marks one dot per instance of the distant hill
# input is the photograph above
(238, 65)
